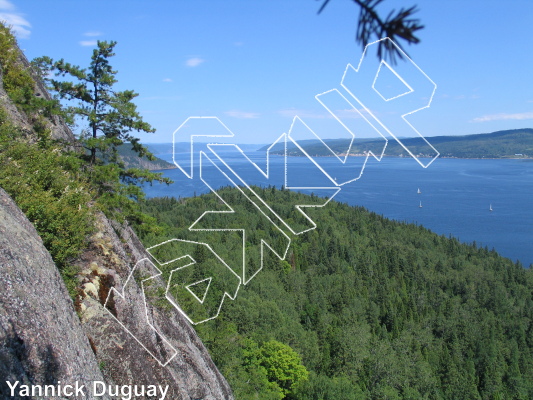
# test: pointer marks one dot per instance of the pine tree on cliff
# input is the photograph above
(110, 119)
(111, 115)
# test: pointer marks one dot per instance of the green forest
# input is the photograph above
(371, 308)
(502, 144)
(360, 308)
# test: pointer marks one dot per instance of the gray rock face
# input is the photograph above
(188, 369)
(41, 337)
(42, 340)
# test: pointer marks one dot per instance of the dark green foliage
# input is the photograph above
(46, 184)
(375, 308)
(397, 25)
(17, 82)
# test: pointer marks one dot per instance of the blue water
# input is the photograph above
(455, 194)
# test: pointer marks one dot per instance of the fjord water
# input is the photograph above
(455, 194)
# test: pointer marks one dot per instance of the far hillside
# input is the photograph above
(132, 160)
(516, 143)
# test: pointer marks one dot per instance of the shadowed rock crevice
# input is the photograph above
(113, 252)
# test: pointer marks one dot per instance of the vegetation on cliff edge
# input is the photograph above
(56, 185)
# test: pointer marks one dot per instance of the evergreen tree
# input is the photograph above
(111, 117)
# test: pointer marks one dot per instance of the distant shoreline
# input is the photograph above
(506, 144)
(389, 156)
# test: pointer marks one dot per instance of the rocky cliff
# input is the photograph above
(45, 337)
(41, 338)
(132, 341)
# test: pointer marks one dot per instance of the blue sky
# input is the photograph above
(256, 64)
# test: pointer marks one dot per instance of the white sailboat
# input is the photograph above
(420, 206)
(419, 191)
(490, 207)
